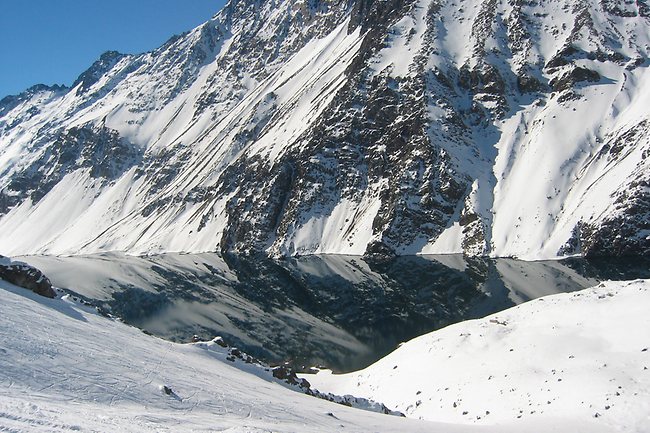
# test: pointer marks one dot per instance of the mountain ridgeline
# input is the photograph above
(368, 127)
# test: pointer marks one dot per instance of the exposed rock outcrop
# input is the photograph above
(26, 276)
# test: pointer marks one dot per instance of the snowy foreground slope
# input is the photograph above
(65, 368)
(378, 127)
(583, 357)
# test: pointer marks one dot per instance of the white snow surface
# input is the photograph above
(63, 367)
(548, 365)
(580, 359)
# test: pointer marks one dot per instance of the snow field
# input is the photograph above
(580, 360)
(65, 368)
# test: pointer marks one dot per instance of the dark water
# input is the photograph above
(337, 311)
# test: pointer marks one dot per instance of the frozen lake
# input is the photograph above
(337, 311)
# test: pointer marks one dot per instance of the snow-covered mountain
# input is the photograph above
(501, 127)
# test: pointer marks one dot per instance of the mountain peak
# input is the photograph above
(90, 76)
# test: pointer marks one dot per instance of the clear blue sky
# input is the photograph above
(53, 41)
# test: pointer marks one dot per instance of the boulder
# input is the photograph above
(24, 275)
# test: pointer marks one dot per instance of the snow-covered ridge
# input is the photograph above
(582, 357)
(503, 127)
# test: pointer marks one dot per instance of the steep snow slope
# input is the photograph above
(65, 368)
(497, 127)
(583, 357)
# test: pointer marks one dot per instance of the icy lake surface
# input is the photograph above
(338, 311)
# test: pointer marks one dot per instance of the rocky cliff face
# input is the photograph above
(508, 128)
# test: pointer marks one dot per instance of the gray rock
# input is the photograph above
(26, 276)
